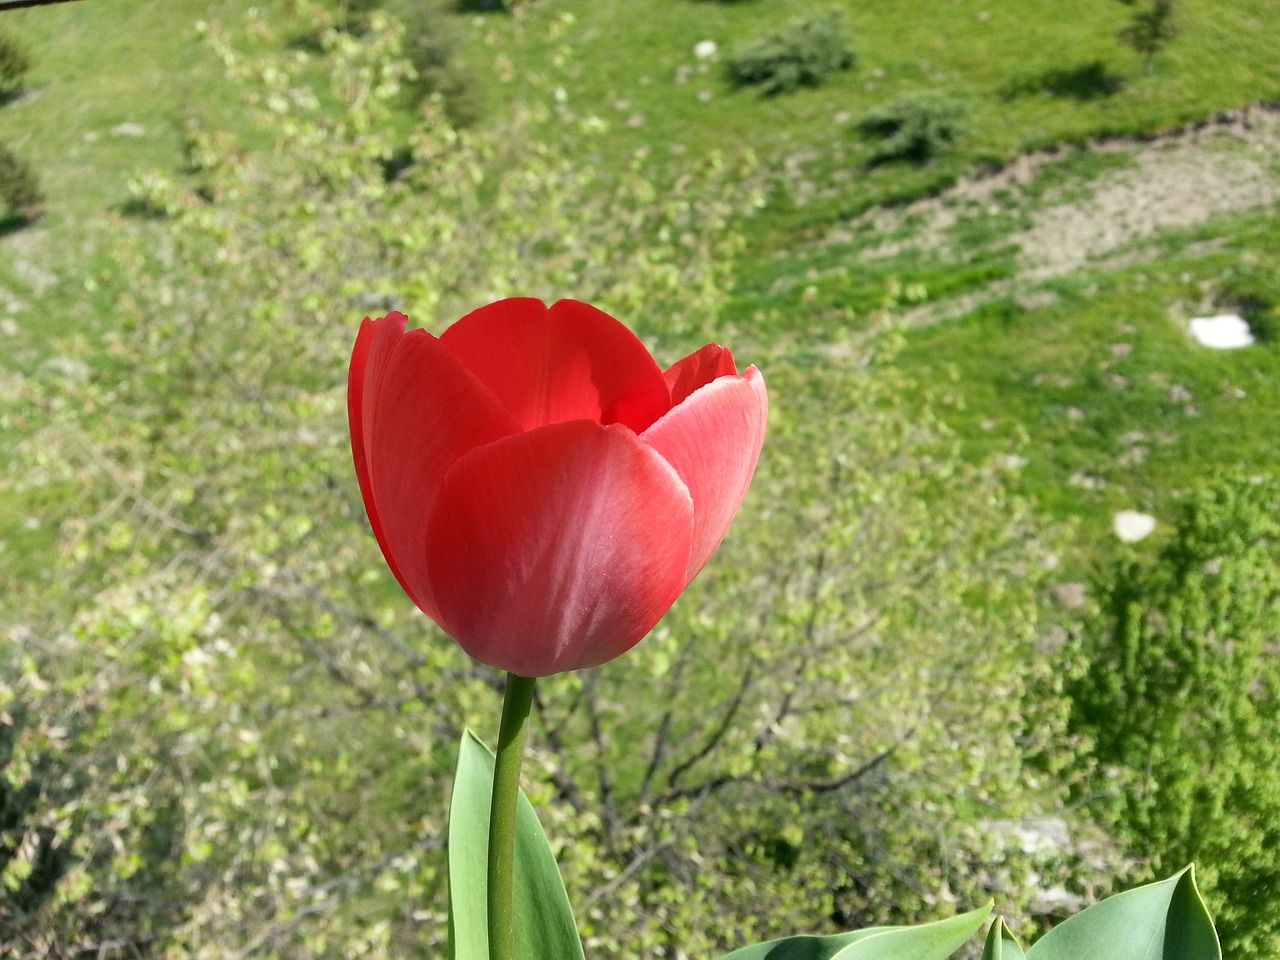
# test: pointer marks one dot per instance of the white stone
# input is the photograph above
(1224, 332)
(1132, 526)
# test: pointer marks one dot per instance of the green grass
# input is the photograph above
(112, 87)
(1105, 393)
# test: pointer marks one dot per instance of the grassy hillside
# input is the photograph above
(114, 86)
(1029, 78)
(111, 88)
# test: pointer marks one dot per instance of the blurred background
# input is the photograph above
(998, 620)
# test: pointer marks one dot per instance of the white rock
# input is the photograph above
(1132, 526)
(705, 49)
(1224, 332)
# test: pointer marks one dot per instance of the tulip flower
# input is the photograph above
(539, 486)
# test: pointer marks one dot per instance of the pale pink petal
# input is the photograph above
(558, 549)
(713, 439)
(698, 369)
(566, 362)
(414, 411)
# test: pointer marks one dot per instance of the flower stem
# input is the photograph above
(502, 817)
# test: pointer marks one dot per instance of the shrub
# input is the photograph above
(1253, 290)
(33, 858)
(20, 193)
(804, 54)
(14, 64)
(915, 127)
(1181, 700)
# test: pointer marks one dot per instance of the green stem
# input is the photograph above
(502, 817)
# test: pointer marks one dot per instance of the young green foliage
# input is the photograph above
(1182, 696)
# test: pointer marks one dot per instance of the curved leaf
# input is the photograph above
(1160, 921)
(926, 941)
(544, 920)
(1001, 944)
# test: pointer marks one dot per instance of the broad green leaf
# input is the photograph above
(1001, 944)
(544, 920)
(926, 941)
(1161, 921)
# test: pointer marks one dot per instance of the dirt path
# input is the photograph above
(1178, 179)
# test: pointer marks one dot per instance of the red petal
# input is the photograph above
(361, 378)
(567, 362)
(414, 410)
(698, 369)
(558, 549)
(713, 440)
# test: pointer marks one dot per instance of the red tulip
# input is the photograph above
(539, 486)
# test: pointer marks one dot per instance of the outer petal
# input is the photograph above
(558, 549)
(567, 362)
(698, 369)
(414, 410)
(713, 439)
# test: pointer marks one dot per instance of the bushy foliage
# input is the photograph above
(15, 62)
(1182, 701)
(804, 54)
(1253, 288)
(20, 191)
(268, 725)
(915, 127)
(33, 857)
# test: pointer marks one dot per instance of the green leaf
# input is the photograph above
(1001, 944)
(544, 920)
(926, 941)
(1161, 921)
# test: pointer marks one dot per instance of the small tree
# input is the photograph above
(1151, 28)
(14, 64)
(1181, 698)
(20, 194)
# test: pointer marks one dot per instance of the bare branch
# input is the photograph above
(726, 721)
(602, 752)
(659, 751)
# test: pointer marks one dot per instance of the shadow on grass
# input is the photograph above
(14, 222)
(1092, 81)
